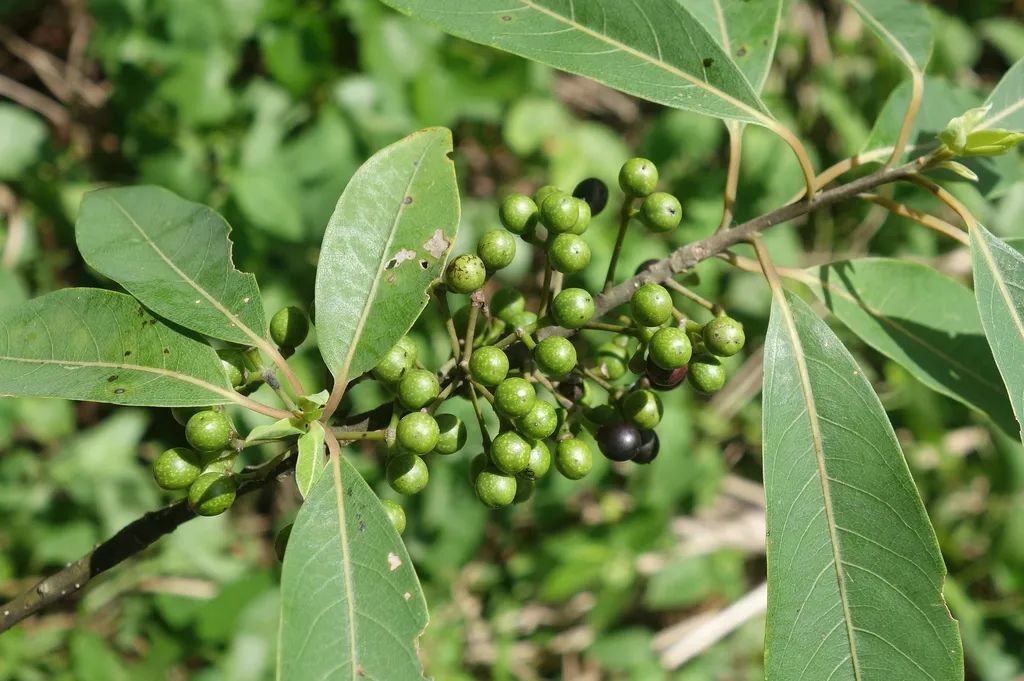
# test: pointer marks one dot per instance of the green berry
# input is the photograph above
(723, 336)
(488, 365)
(418, 388)
(461, 319)
(573, 458)
(223, 465)
(495, 488)
(177, 468)
(661, 212)
(670, 348)
(281, 541)
(465, 274)
(611, 360)
(183, 414)
(583, 222)
(510, 452)
(514, 397)
(643, 408)
(399, 359)
(638, 177)
(417, 432)
(208, 431)
(568, 253)
(395, 513)
(572, 308)
(601, 415)
(540, 461)
(289, 327)
(651, 305)
(525, 320)
(540, 422)
(212, 493)
(560, 212)
(706, 374)
(451, 434)
(518, 213)
(234, 367)
(543, 193)
(407, 474)
(555, 356)
(507, 303)
(497, 249)
(524, 489)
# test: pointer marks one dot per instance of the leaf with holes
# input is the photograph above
(175, 257)
(922, 319)
(854, 571)
(386, 243)
(351, 605)
(311, 459)
(654, 49)
(102, 346)
(999, 288)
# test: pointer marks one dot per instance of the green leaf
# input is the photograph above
(22, 135)
(386, 243)
(746, 31)
(942, 101)
(103, 346)
(999, 288)
(903, 25)
(655, 49)
(922, 319)
(274, 431)
(311, 458)
(175, 257)
(854, 570)
(351, 605)
(1007, 101)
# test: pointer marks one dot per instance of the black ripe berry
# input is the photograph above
(649, 446)
(665, 379)
(594, 192)
(618, 441)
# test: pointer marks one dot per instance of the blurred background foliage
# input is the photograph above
(263, 109)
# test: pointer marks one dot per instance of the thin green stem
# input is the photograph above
(545, 289)
(625, 213)
(484, 435)
(544, 381)
(695, 297)
(449, 322)
(596, 378)
(614, 328)
(352, 435)
(467, 353)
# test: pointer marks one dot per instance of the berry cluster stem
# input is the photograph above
(625, 214)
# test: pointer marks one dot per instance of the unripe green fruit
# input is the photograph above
(670, 348)
(177, 468)
(212, 493)
(510, 452)
(573, 458)
(555, 356)
(497, 249)
(651, 305)
(494, 488)
(568, 253)
(643, 408)
(281, 541)
(451, 434)
(601, 415)
(723, 336)
(572, 308)
(525, 320)
(418, 388)
(234, 367)
(524, 489)
(543, 193)
(706, 374)
(222, 465)
(638, 177)
(477, 465)
(289, 327)
(540, 422)
(417, 432)
(488, 365)
(507, 303)
(183, 414)
(399, 359)
(560, 212)
(395, 513)
(465, 274)
(518, 213)
(407, 474)
(208, 431)
(461, 319)
(611, 361)
(661, 212)
(540, 461)
(583, 222)
(514, 397)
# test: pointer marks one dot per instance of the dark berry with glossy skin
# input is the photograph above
(451, 434)
(497, 249)
(555, 356)
(510, 452)
(212, 493)
(618, 441)
(465, 274)
(670, 348)
(560, 212)
(661, 212)
(399, 359)
(495, 488)
(594, 192)
(208, 431)
(488, 365)
(572, 308)
(417, 432)
(540, 422)
(707, 374)
(573, 458)
(540, 461)
(514, 397)
(418, 388)
(638, 177)
(568, 253)
(651, 305)
(649, 447)
(665, 379)
(518, 213)
(395, 513)
(407, 474)
(573, 388)
(507, 303)
(643, 408)
(289, 327)
(723, 336)
(177, 468)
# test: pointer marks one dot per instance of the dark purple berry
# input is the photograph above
(618, 441)
(665, 379)
(649, 446)
(594, 192)
(571, 388)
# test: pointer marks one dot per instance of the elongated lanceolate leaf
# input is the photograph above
(922, 319)
(1007, 101)
(854, 570)
(174, 256)
(999, 288)
(103, 346)
(654, 49)
(386, 243)
(746, 31)
(352, 607)
(903, 25)
(311, 459)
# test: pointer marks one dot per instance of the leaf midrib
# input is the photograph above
(343, 538)
(995, 272)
